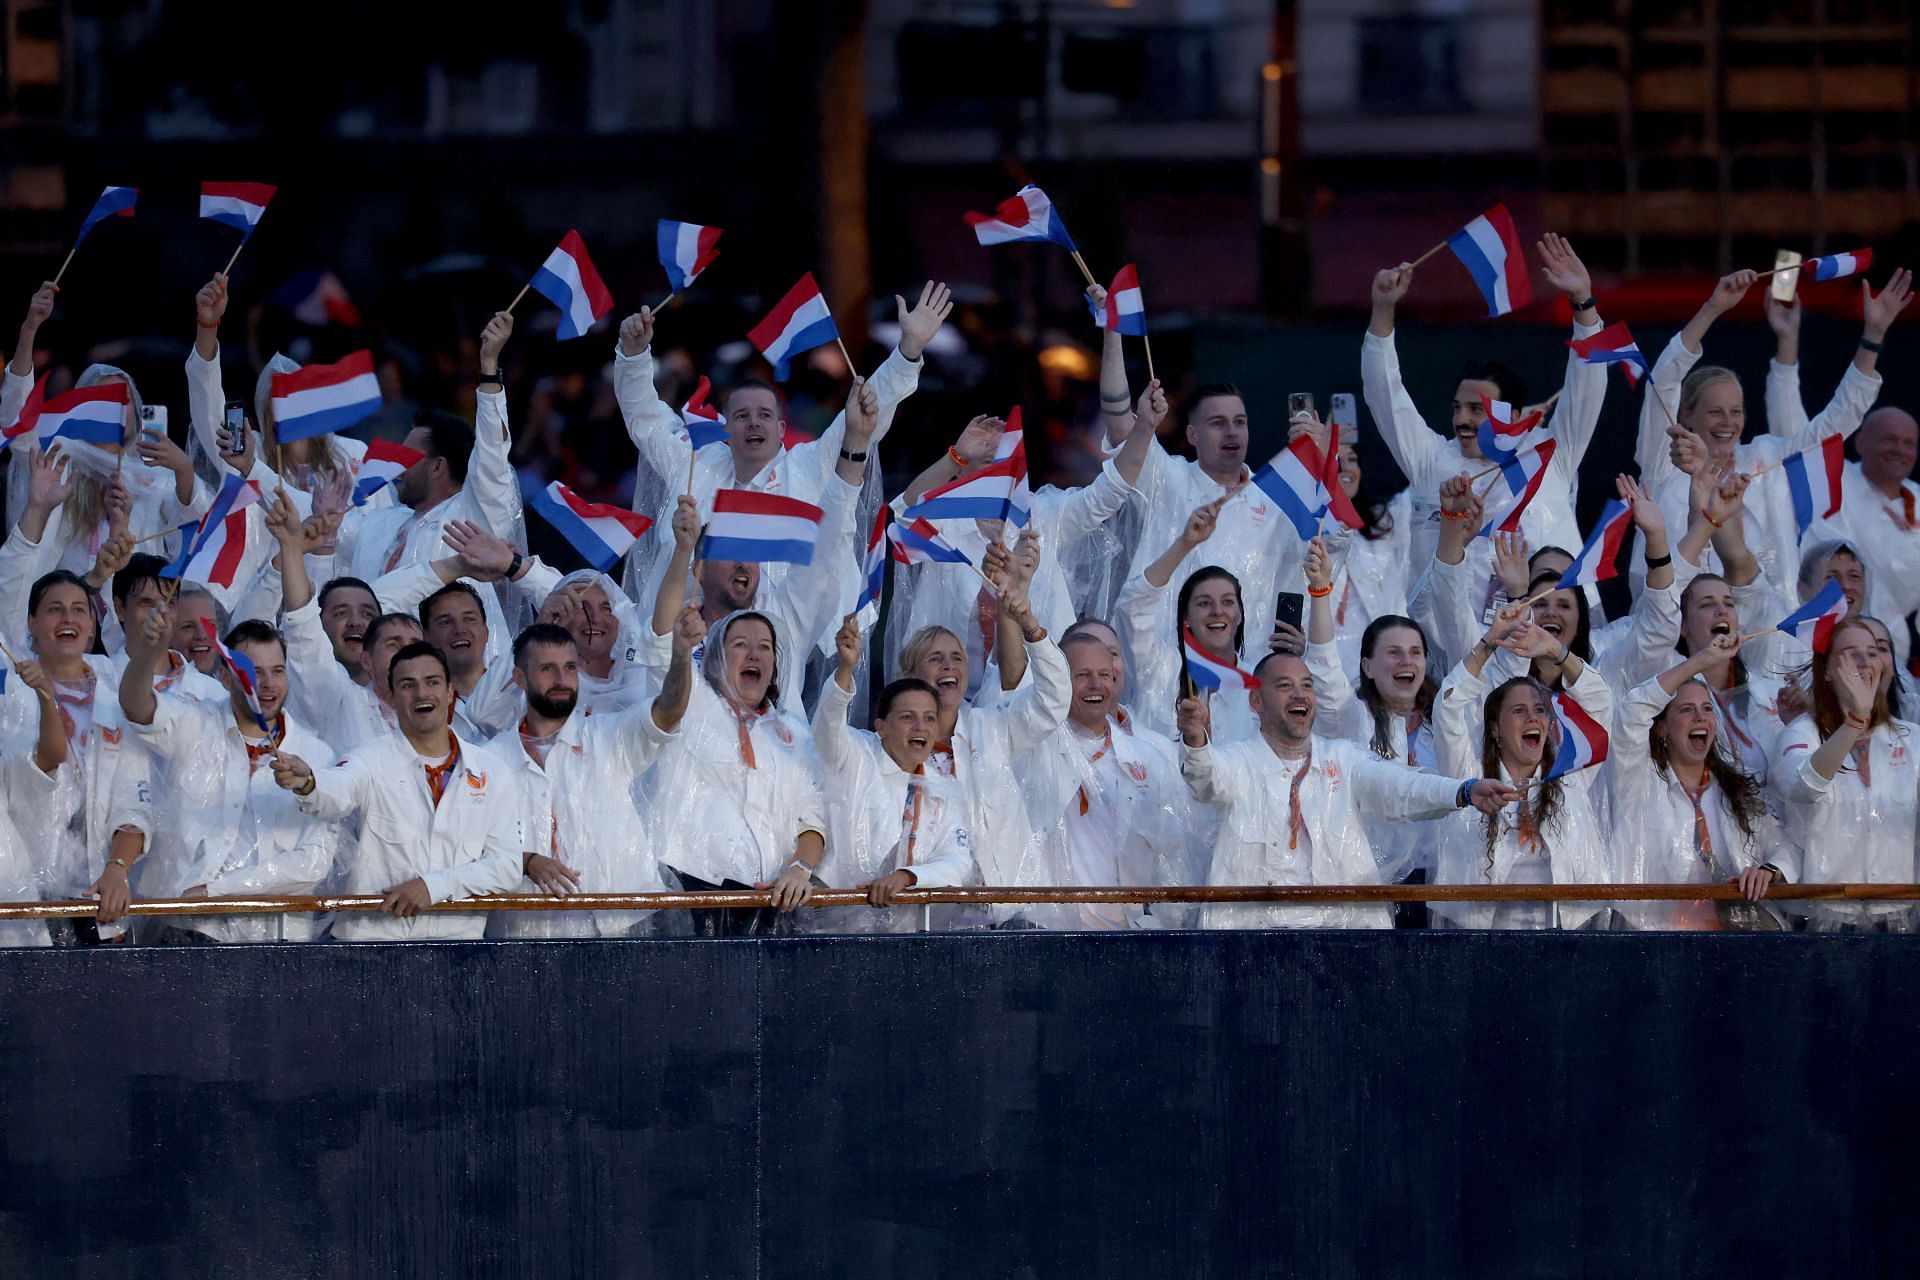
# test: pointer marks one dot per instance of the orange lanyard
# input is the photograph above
(1293, 802)
(437, 773)
(910, 812)
(1702, 833)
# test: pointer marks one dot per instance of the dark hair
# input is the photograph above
(1369, 694)
(1738, 670)
(342, 584)
(905, 684)
(140, 569)
(750, 615)
(758, 384)
(1082, 629)
(454, 588)
(540, 633)
(1207, 391)
(1272, 654)
(1511, 389)
(47, 581)
(381, 623)
(1549, 549)
(448, 437)
(418, 649)
(1581, 645)
(1187, 588)
(1742, 790)
(1548, 805)
(254, 631)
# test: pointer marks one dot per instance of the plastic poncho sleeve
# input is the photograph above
(206, 399)
(1583, 392)
(1452, 590)
(650, 422)
(641, 740)
(21, 564)
(1333, 693)
(1038, 709)
(831, 737)
(14, 390)
(1416, 448)
(1645, 646)
(1388, 789)
(490, 476)
(339, 791)
(1650, 448)
(1799, 782)
(538, 582)
(951, 864)
(319, 683)
(1454, 732)
(402, 590)
(498, 869)
(1209, 780)
(1085, 509)
(130, 795)
(259, 597)
(1786, 411)
(298, 868)
(895, 380)
(163, 734)
(1627, 750)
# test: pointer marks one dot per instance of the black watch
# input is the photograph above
(1868, 344)
(854, 457)
(1585, 304)
(515, 565)
(492, 377)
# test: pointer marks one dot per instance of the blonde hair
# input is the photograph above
(1696, 384)
(914, 652)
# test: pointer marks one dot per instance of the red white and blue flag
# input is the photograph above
(1813, 478)
(29, 414)
(1490, 251)
(703, 423)
(324, 397)
(873, 569)
(1503, 436)
(997, 491)
(240, 668)
(1812, 623)
(686, 249)
(384, 463)
(212, 547)
(1514, 487)
(1124, 312)
(1305, 485)
(798, 322)
(920, 543)
(1835, 265)
(1210, 673)
(1597, 560)
(235, 204)
(1583, 741)
(95, 415)
(1027, 217)
(1613, 345)
(567, 280)
(114, 202)
(599, 531)
(760, 527)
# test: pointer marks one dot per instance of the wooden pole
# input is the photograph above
(851, 371)
(1428, 254)
(63, 266)
(228, 269)
(519, 295)
(151, 536)
(1147, 341)
(665, 301)
(1081, 263)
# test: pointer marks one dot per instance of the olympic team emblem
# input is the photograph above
(1137, 771)
(783, 733)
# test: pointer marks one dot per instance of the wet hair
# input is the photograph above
(1581, 645)
(914, 651)
(713, 657)
(254, 631)
(1893, 686)
(194, 591)
(1827, 715)
(381, 623)
(1505, 380)
(1194, 581)
(1739, 665)
(1369, 693)
(1696, 383)
(418, 649)
(342, 584)
(905, 684)
(48, 581)
(1550, 794)
(455, 588)
(1548, 550)
(1207, 391)
(141, 569)
(449, 437)
(1743, 791)
(540, 633)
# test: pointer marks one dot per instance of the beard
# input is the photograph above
(557, 705)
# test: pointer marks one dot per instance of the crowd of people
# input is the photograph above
(1155, 679)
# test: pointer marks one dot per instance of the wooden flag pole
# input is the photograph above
(516, 297)
(664, 302)
(151, 536)
(1428, 254)
(228, 269)
(63, 266)
(1081, 263)
(851, 371)
(1147, 341)
(693, 456)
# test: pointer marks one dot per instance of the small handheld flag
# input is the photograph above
(240, 667)
(798, 322)
(686, 249)
(1812, 623)
(1305, 485)
(702, 421)
(1583, 741)
(93, 415)
(1834, 266)
(114, 202)
(1596, 561)
(1503, 436)
(599, 531)
(385, 462)
(1613, 345)
(997, 491)
(921, 543)
(324, 397)
(568, 280)
(1518, 481)
(873, 567)
(212, 547)
(760, 527)
(1813, 478)
(235, 204)
(1028, 217)
(1490, 251)
(29, 414)
(1210, 673)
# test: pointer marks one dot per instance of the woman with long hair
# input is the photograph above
(1371, 564)
(1849, 772)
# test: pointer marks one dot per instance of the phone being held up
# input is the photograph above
(1290, 608)
(234, 429)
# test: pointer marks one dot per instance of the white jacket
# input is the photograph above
(470, 844)
(579, 808)
(321, 692)
(28, 793)
(220, 822)
(1876, 526)
(1155, 660)
(1371, 577)
(1398, 847)
(1841, 830)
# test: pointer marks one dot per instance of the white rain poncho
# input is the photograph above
(1855, 827)
(1339, 712)
(220, 821)
(1259, 844)
(579, 807)
(722, 815)
(469, 844)
(28, 793)
(1655, 834)
(882, 819)
(1155, 661)
(1109, 811)
(1571, 847)
(640, 657)
(322, 693)
(1371, 577)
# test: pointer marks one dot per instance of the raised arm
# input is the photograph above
(206, 399)
(1116, 399)
(491, 478)
(831, 737)
(1199, 527)
(1786, 411)
(650, 421)
(1584, 389)
(974, 448)
(1860, 384)
(673, 582)
(1414, 446)
(676, 687)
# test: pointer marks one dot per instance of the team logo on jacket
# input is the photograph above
(110, 735)
(1136, 771)
(1332, 770)
(477, 781)
(783, 733)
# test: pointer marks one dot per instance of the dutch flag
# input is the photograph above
(324, 397)
(114, 202)
(1813, 478)
(1514, 488)
(686, 249)
(1583, 742)
(1812, 623)
(1613, 345)
(1490, 251)
(93, 415)
(1210, 673)
(1835, 265)
(997, 491)
(1596, 561)
(384, 463)
(873, 571)
(1504, 437)
(598, 531)
(760, 528)
(29, 414)
(235, 204)
(798, 322)
(1305, 485)
(1027, 216)
(212, 547)
(567, 280)
(1125, 312)
(240, 667)
(703, 423)
(921, 543)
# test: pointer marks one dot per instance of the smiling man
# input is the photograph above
(1880, 514)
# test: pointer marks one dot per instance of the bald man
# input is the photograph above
(1880, 514)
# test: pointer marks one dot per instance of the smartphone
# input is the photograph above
(1299, 404)
(234, 420)
(153, 417)
(1785, 282)
(1290, 608)
(1345, 413)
